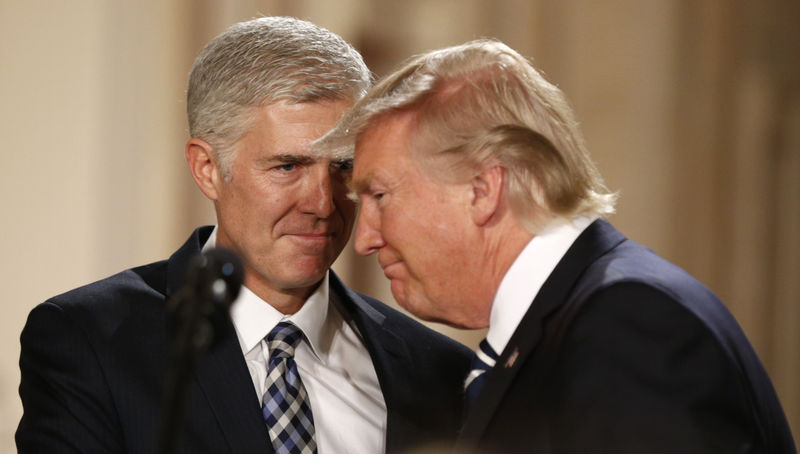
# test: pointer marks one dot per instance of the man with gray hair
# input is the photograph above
(304, 364)
(485, 210)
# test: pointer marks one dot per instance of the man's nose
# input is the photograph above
(368, 235)
(318, 197)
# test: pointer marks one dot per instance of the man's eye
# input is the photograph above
(287, 167)
(343, 166)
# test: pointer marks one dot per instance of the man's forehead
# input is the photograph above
(364, 166)
(393, 129)
(379, 151)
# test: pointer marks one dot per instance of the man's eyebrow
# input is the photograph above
(288, 159)
(294, 158)
(361, 185)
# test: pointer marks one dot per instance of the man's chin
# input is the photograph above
(425, 309)
(299, 279)
(304, 269)
(419, 307)
(398, 291)
(304, 281)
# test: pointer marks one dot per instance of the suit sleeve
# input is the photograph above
(66, 401)
(638, 372)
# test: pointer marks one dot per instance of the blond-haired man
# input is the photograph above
(485, 210)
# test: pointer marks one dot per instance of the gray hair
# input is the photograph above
(261, 61)
(479, 104)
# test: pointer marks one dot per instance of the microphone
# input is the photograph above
(215, 277)
(200, 312)
(200, 308)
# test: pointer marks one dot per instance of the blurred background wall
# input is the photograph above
(691, 108)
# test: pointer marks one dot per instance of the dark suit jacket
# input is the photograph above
(622, 352)
(93, 365)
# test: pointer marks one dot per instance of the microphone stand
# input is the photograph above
(213, 282)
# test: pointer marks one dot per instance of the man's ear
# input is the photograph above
(203, 164)
(487, 193)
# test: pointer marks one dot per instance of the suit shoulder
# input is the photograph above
(148, 278)
(634, 267)
(632, 262)
(633, 282)
(106, 304)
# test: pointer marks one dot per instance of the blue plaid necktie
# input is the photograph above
(484, 360)
(286, 409)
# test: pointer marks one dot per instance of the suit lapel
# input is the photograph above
(221, 373)
(593, 242)
(225, 381)
(390, 357)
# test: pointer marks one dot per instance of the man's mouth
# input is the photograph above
(392, 269)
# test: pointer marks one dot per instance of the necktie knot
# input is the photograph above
(283, 339)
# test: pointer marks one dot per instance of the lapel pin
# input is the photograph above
(512, 358)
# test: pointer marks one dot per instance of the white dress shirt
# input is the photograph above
(335, 367)
(525, 278)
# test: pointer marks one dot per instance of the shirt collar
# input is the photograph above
(254, 318)
(525, 278)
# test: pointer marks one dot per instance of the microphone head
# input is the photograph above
(217, 274)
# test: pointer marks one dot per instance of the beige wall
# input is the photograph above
(692, 110)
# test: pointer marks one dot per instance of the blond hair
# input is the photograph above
(479, 104)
